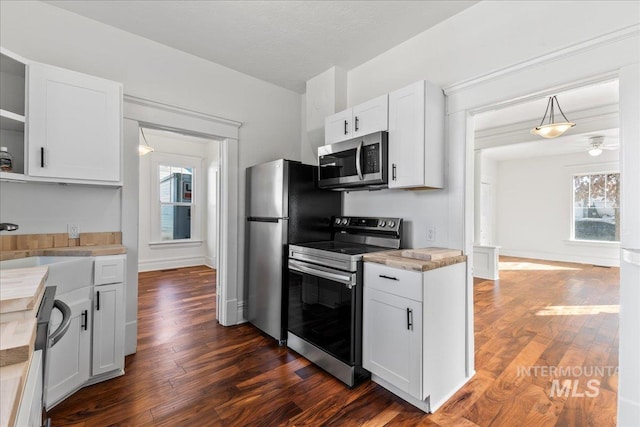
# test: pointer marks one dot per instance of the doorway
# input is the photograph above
(178, 200)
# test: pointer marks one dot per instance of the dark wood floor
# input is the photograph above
(191, 371)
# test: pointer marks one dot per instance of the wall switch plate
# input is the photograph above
(74, 231)
(431, 234)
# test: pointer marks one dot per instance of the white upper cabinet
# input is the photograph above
(337, 127)
(13, 70)
(363, 119)
(416, 136)
(74, 126)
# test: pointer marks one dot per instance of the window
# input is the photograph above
(175, 202)
(176, 213)
(596, 207)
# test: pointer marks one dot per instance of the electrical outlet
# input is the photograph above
(74, 231)
(431, 234)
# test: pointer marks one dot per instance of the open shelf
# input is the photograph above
(11, 121)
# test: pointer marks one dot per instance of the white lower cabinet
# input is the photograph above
(392, 339)
(108, 328)
(414, 331)
(69, 361)
(92, 349)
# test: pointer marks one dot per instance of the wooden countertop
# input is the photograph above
(20, 288)
(97, 250)
(396, 260)
(12, 380)
(20, 292)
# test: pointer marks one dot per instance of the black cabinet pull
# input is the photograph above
(409, 319)
(388, 277)
(357, 120)
(98, 301)
(41, 157)
(85, 320)
(393, 172)
(346, 124)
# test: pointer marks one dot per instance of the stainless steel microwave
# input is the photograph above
(358, 162)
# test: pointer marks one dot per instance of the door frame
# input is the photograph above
(140, 112)
(616, 57)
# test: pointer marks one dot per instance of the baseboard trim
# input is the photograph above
(243, 315)
(211, 262)
(130, 337)
(550, 256)
(167, 263)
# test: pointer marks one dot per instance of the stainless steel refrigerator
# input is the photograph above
(283, 206)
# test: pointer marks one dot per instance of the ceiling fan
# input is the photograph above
(597, 145)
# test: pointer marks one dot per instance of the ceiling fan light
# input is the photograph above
(595, 151)
(553, 130)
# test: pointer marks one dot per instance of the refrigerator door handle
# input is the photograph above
(262, 219)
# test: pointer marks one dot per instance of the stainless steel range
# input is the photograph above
(325, 293)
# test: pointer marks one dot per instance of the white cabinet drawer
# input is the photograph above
(108, 269)
(404, 283)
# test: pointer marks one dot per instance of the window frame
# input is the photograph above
(197, 196)
(601, 171)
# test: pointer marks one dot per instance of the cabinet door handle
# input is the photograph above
(409, 319)
(388, 277)
(85, 320)
(41, 157)
(393, 172)
(356, 124)
(346, 127)
(98, 301)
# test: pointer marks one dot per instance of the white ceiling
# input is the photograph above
(282, 42)
(529, 114)
(553, 147)
(578, 99)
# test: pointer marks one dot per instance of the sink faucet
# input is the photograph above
(5, 226)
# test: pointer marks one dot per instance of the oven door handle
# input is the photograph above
(64, 326)
(346, 279)
(358, 165)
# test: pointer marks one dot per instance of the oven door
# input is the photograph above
(354, 163)
(324, 309)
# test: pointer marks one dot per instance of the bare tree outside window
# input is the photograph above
(596, 207)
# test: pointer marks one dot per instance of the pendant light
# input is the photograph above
(144, 148)
(552, 129)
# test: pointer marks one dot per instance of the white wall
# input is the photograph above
(158, 257)
(48, 208)
(465, 46)
(271, 116)
(534, 202)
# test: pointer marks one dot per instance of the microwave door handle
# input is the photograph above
(358, 165)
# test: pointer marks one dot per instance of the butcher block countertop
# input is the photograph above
(396, 259)
(98, 250)
(21, 290)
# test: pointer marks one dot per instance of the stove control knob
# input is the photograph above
(392, 224)
(337, 221)
(344, 221)
(382, 223)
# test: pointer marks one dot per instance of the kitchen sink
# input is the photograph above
(66, 273)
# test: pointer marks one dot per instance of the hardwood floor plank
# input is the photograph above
(189, 370)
